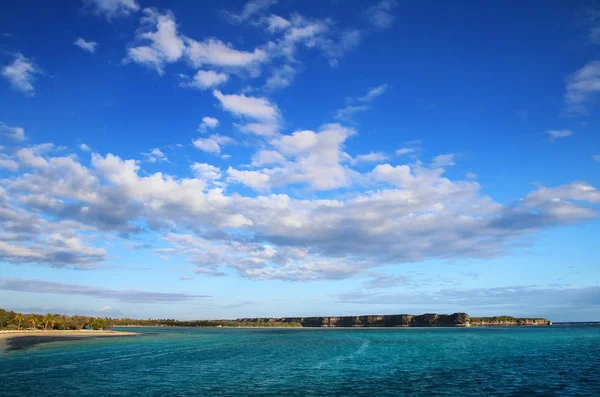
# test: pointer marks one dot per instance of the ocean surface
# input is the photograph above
(536, 361)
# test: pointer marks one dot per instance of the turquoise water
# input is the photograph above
(545, 361)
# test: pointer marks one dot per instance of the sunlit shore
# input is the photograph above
(6, 334)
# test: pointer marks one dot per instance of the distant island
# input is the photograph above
(401, 320)
(10, 320)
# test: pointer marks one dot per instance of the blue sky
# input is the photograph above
(282, 158)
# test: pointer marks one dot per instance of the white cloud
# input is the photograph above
(15, 133)
(251, 107)
(260, 129)
(373, 93)
(582, 86)
(89, 46)
(257, 180)
(84, 147)
(205, 79)
(267, 157)
(252, 8)
(165, 45)
(281, 78)
(309, 158)
(276, 23)
(443, 160)
(214, 52)
(405, 150)
(8, 164)
(380, 15)
(315, 34)
(206, 172)
(557, 134)
(373, 157)
(213, 143)
(21, 74)
(265, 113)
(61, 208)
(114, 8)
(155, 155)
(208, 123)
(353, 107)
(347, 112)
(146, 56)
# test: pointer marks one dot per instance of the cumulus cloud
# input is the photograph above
(89, 46)
(213, 143)
(312, 158)
(263, 114)
(276, 23)
(380, 15)
(214, 52)
(164, 45)
(206, 172)
(158, 43)
(21, 74)
(208, 123)
(14, 133)
(85, 147)
(205, 79)
(54, 208)
(113, 8)
(127, 295)
(443, 160)
(155, 155)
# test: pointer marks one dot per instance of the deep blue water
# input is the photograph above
(544, 361)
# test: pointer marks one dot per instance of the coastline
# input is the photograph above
(62, 333)
(25, 339)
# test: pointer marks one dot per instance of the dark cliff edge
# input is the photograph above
(400, 320)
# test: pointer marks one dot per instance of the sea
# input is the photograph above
(510, 361)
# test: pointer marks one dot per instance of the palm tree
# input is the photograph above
(19, 318)
(34, 322)
(48, 319)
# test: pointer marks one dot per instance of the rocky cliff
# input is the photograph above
(401, 320)
(502, 321)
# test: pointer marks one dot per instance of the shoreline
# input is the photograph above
(24, 339)
(60, 333)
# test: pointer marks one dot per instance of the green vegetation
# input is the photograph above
(10, 320)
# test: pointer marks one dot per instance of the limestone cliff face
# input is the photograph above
(402, 320)
(504, 321)
(393, 320)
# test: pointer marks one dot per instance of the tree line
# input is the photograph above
(10, 320)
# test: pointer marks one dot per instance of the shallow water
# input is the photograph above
(544, 361)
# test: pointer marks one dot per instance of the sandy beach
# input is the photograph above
(58, 333)
(24, 339)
